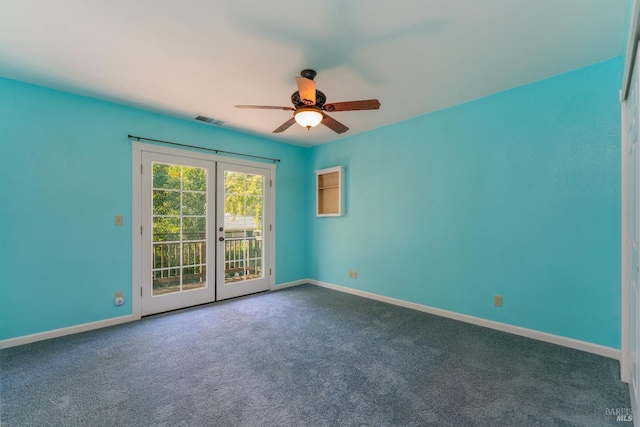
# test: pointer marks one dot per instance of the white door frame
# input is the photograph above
(136, 220)
(630, 307)
(624, 229)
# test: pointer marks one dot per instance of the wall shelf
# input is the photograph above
(330, 191)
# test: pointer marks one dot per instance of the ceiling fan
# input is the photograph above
(309, 106)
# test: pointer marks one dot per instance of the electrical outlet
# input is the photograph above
(355, 275)
(497, 300)
(350, 274)
(118, 219)
(119, 300)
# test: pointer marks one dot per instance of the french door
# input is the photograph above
(241, 231)
(203, 230)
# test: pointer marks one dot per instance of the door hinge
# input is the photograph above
(270, 183)
(270, 228)
(269, 272)
(141, 230)
(140, 168)
(140, 290)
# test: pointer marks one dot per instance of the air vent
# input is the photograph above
(210, 120)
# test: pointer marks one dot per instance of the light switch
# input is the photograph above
(118, 219)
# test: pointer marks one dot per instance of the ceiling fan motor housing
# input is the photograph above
(297, 102)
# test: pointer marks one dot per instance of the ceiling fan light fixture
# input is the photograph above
(308, 117)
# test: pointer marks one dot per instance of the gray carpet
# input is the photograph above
(304, 356)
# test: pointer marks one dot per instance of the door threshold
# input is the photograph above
(203, 304)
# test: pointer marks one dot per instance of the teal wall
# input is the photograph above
(515, 194)
(65, 171)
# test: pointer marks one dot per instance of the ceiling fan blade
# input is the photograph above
(286, 125)
(333, 124)
(307, 90)
(365, 104)
(265, 107)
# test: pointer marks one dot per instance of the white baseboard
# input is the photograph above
(289, 284)
(76, 329)
(55, 333)
(504, 327)
(516, 330)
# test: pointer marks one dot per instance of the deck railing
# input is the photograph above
(242, 260)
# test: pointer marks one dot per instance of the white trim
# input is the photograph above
(136, 223)
(272, 225)
(516, 330)
(625, 371)
(85, 327)
(289, 284)
(70, 330)
(340, 170)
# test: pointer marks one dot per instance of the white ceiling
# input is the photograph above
(202, 57)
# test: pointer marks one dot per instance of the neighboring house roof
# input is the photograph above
(239, 222)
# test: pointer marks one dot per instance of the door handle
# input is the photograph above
(221, 238)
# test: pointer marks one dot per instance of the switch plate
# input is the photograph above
(118, 219)
(118, 294)
(497, 300)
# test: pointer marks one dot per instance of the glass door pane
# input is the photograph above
(243, 223)
(179, 228)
